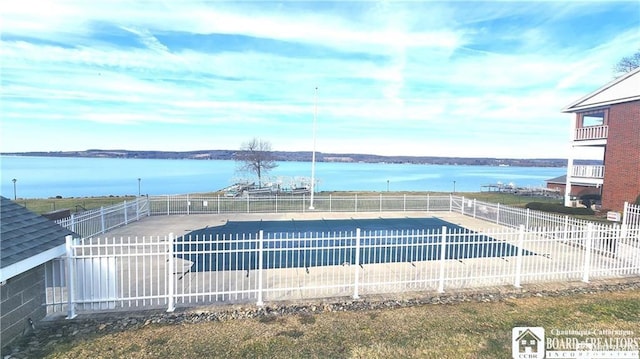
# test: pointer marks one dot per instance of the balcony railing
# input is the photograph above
(591, 133)
(588, 171)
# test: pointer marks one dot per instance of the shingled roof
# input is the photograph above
(27, 239)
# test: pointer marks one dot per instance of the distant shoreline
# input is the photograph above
(305, 156)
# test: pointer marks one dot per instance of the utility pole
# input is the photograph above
(313, 153)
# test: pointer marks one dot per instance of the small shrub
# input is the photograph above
(590, 199)
(558, 208)
(638, 200)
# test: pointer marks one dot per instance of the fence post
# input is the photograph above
(188, 205)
(259, 302)
(329, 203)
(443, 257)
(462, 206)
(519, 257)
(428, 202)
(146, 206)
(102, 220)
(498, 214)
(356, 204)
(356, 265)
(625, 212)
(168, 212)
(170, 273)
(474, 208)
(73, 222)
(623, 232)
(70, 278)
(527, 219)
(587, 254)
(124, 208)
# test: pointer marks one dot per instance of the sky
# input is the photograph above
(422, 78)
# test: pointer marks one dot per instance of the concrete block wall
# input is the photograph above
(622, 156)
(21, 297)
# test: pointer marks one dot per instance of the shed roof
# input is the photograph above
(625, 88)
(560, 179)
(27, 239)
(563, 180)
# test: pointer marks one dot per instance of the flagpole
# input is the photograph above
(313, 153)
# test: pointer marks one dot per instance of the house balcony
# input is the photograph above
(592, 133)
(588, 174)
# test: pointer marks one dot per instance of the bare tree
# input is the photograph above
(256, 157)
(628, 63)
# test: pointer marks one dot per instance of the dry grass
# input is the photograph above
(75, 204)
(464, 330)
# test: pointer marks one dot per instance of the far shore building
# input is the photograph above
(608, 118)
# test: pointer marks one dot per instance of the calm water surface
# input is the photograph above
(42, 177)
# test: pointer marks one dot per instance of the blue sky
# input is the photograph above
(394, 78)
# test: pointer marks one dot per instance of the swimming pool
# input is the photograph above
(313, 243)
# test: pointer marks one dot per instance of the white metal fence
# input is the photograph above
(512, 216)
(98, 221)
(631, 215)
(152, 272)
(165, 272)
(189, 204)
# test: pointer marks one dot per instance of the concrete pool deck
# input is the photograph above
(182, 224)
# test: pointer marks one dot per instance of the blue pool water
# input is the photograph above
(312, 243)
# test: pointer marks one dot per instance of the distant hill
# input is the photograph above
(305, 156)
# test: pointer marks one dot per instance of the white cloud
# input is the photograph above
(420, 77)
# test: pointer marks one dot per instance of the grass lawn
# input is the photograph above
(463, 330)
(75, 204)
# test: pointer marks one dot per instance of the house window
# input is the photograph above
(594, 118)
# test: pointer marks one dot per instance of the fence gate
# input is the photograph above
(142, 207)
(96, 283)
(91, 283)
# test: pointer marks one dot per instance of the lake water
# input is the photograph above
(43, 177)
